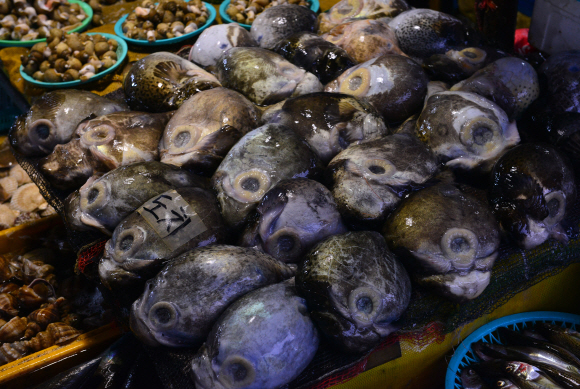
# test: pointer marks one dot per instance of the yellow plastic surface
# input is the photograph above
(425, 368)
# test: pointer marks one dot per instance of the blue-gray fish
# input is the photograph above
(262, 341)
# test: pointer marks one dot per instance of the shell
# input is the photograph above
(8, 186)
(13, 330)
(7, 216)
(45, 315)
(18, 173)
(26, 198)
(8, 304)
(48, 211)
(29, 298)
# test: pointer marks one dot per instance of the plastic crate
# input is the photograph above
(464, 356)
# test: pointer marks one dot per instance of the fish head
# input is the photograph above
(68, 166)
(465, 130)
(216, 40)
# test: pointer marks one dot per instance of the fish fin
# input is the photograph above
(50, 103)
(169, 71)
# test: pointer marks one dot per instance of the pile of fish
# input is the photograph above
(282, 186)
(546, 356)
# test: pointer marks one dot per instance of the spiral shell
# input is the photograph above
(8, 304)
(13, 330)
(19, 174)
(45, 315)
(29, 298)
(26, 198)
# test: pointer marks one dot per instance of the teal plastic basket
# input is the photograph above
(314, 6)
(464, 356)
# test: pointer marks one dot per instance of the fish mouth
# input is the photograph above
(114, 276)
(139, 326)
(202, 372)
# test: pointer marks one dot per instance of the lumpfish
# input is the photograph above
(262, 341)
(261, 159)
(275, 23)
(292, 217)
(532, 190)
(123, 138)
(510, 82)
(330, 122)
(263, 76)
(563, 337)
(424, 32)
(53, 118)
(312, 53)
(205, 127)
(146, 239)
(448, 238)
(162, 81)
(370, 179)
(68, 166)
(355, 289)
(181, 304)
(466, 130)
(471, 380)
(365, 39)
(393, 84)
(216, 40)
(105, 201)
(346, 10)
(560, 82)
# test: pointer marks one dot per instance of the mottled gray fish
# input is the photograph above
(355, 288)
(281, 21)
(292, 217)
(106, 200)
(261, 159)
(181, 304)
(140, 246)
(53, 118)
(448, 238)
(68, 166)
(205, 127)
(162, 81)
(262, 341)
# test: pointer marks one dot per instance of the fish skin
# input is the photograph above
(213, 121)
(131, 267)
(563, 337)
(108, 199)
(292, 217)
(523, 375)
(68, 166)
(266, 337)
(162, 81)
(276, 23)
(196, 288)
(355, 288)
(53, 118)
(262, 158)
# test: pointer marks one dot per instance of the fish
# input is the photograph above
(259, 161)
(471, 380)
(275, 23)
(422, 32)
(263, 76)
(263, 340)
(204, 129)
(347, 10)
(561, 336)
(292, 217)
(365, 39)
(393, 84)
(216, 40)
(533, 189)
(180, 305)
(140, 247)
(523, 375)
(449, 239)
(465, 130)
(559, 79)
(510, 82)
(320, 57)
(355, 288)
(123, 138)
(330, 122)
(371, 178)
(162, 81)
(68, 167)
(106, 200)
(53, 118)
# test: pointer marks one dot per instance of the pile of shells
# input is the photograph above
(69, 57)
(168, 19)
(245, 11)
(23, 20)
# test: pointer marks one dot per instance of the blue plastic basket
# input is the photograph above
(464, 356)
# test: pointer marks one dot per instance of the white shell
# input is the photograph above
(27, 198)
(19, 174)
(7, 216)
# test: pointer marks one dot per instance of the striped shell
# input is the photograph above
(26, 198)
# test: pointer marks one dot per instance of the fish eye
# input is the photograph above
(163, 314)
(95, 197)
(237, 372)
(556, 204)
(92, 196)
(42, 131)
(128, 241)
(364, 304)
(357, 83)
(182, 139)
(380, 167)
(250, 186)
(482, 135)
(460, 246)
